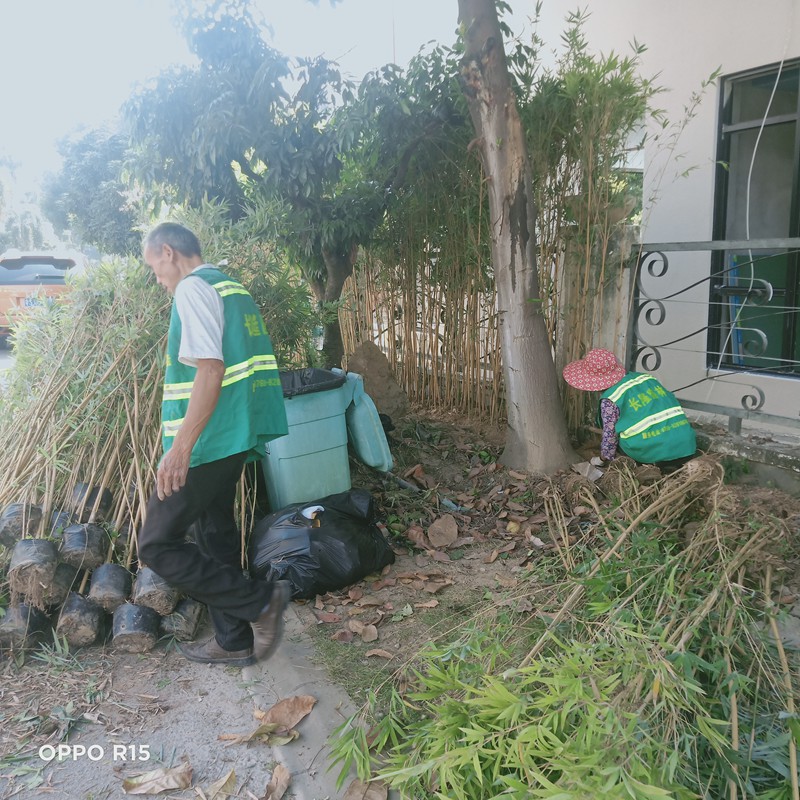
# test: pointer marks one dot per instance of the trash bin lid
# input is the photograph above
(311, 379)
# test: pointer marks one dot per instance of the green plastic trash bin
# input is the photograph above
(311, 460)
(364, 429)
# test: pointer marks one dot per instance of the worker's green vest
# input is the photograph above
(250, 409)
(651, 426)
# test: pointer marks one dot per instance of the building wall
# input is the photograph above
(686, 42)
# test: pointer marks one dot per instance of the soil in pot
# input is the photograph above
(151, 590)
(111, 586)
(135, 628)
(31, 571)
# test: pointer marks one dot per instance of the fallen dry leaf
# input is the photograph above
(438, 555)
(289, 711)
(374, 790)
(367, 602)
(382, 583)
(433, 587)
(369, 633)
(428, 604)
(379, 652)
(537, 542)
(517, 476)
(220, 789)
(356, 626)
(512, 527)
(159, 780)
(343, 636)
(326, 616)
(416, 535)
(278, 783)
(271, 733)
(417, 473)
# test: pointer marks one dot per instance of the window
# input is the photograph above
(755, 320)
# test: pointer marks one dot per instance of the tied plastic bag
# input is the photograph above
(320, 546)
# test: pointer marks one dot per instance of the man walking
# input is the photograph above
(222, 402)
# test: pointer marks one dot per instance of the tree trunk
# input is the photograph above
(338, 268)
(536, 437)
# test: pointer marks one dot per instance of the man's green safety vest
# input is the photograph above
(250, 410)
(651, 426)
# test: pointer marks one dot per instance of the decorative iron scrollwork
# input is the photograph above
(756, 344)
(756, 293)
(649, 358)
(754, 401)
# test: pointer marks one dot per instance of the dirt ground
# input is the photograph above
(463, 530)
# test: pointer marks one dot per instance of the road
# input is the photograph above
(6, 359)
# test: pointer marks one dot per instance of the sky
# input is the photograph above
(71, 63)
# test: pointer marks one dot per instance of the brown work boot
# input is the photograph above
(267, 629)
(209, 652)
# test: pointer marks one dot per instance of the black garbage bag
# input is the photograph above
(320, 546)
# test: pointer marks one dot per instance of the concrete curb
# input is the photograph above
(292, 671)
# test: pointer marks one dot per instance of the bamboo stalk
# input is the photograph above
(577, 592)
(787, 682)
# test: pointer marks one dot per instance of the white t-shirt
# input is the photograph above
(202, 318)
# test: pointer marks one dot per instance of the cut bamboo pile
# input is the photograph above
(79, 445)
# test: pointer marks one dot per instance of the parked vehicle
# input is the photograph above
(29, 279)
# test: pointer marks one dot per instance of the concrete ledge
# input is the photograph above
(770, 462)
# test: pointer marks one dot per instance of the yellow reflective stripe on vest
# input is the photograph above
(177, 391)
(239, 372)
(171, 426)
(226, 288)
(622, 388)
(234, 373)
(653, 419)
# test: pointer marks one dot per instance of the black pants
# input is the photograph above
(208, 569)
(665, 466)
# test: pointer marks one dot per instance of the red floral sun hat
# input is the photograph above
(597, 371)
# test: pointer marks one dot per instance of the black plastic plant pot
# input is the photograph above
(184, 621)
(84, 545)
(153, 591)
(135, 628)
(59, 522)
(17, 521)
(64, 579)
(111, 586)
(31, 571)
(84, 498)
(80, 620)
(22, 626)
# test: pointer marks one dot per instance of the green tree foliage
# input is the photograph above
(88, 196)
(22, 231)
(195, 130)
(231, 130)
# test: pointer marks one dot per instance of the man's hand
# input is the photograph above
(172, 472)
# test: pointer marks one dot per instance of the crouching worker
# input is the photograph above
(222, 402)
(638, 416)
